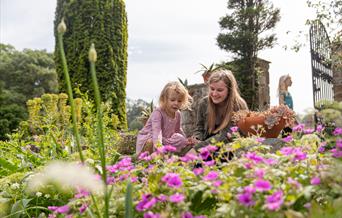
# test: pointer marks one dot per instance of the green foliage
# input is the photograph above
(23, 75)
(246, 26)
(103, 23)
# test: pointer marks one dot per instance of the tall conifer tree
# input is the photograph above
(104, 23)
(245, 33)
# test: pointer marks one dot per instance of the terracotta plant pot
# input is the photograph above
(249, 126)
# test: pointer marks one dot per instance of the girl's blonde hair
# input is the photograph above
(281, 85)
(179, 89)
(232, 103)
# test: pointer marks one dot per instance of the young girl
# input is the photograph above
(164, 124)
(284, 95)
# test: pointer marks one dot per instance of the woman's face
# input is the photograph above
(218, 92)
(288, 81)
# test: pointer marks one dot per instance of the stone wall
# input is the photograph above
(264, 81)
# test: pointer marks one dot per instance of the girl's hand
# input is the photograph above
(192, 140)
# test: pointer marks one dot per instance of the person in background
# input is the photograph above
(164, 124)
(285, 98)
(284, 95)
(215, 110)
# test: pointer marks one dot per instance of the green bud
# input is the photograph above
(92, 53)
(61, 27)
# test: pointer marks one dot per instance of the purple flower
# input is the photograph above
(246, 199)
(298, 128)
(211, 148)
(52, 208)
(315, 181)
(234, 129)
(319, 128)
(217, 183)
(204, 153)
(147, 202)
(145, 156)
(286, 151)
(260, 140)
(262, 185)
(249, 189)
(198, 171)
(336, 153)
(162, 198)
(270, 161)
(298, 154)
(188, 158)
(122, 165)
(259, 173)
(209, 163)
(288, 138)
(309, 131)
(321, 149)
(173, 180)
(81, 193)
(189, 215)
(274, 201)
(253, 156)
(150, 214)
(212, 175)
(83, 208)
(176, 198)
(167, 148)
(337, 131)
(339, 143)
(63, 209)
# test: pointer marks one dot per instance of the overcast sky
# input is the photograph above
(170, 38)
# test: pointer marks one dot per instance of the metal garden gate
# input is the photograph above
(322, 75)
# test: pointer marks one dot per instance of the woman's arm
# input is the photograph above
(281, 98)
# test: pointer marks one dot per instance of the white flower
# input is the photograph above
(39, 194)
(67, 175)
(47, 196)
(15, 186)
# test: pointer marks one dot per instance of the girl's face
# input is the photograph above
(288, 81)
(174, 102)
(218, 92)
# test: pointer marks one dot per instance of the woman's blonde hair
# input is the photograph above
(232, 103)
(179, 89)
(281, 85)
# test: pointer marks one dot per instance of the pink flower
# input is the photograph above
(274, 201)
(83, 208)
(162, 198)
(209, 163)
(259, 173)
(212, 175)
(147, 202)
(270, 161)
(319, 128)
(260, 140)
(234, 129)
(262, 185)
(217, 183)
(298, 128)
(176, 198)
(81, 193)
(188, 158)
(150, 214)
(298, 154)
(286, 151)
(339, 143)
(246, 199)
(189, 215)
(198, 171)
(62, 209)
(204, 153)
(336, 153)
(253, 156)
(145, 156)
(315, 181)
(288, 138)
(337, 131)
(166, 148)
(308, 131)
(173, 180)
(211, 148)
(249, 189)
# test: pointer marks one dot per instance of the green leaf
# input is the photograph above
(19, 206)
(7, 165)
(128, 201)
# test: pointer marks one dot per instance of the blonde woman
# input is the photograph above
(284, 95)
(215, 111)
(164, 124)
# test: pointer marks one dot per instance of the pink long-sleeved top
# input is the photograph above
(162, 128)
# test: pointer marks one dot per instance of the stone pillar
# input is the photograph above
(264, 81)
(197, 92)
(337, 70)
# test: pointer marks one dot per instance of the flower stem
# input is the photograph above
(71, 99)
